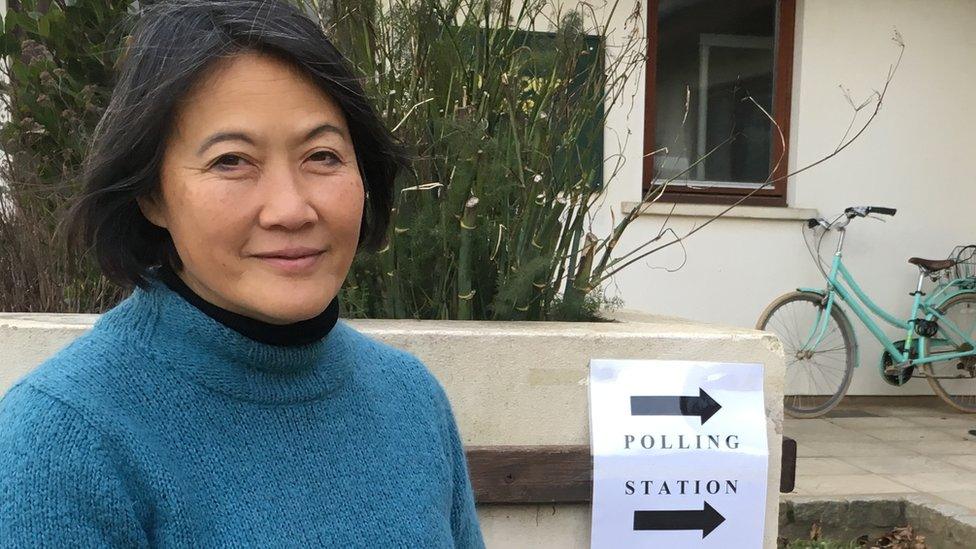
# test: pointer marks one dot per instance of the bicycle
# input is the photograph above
(819, 341)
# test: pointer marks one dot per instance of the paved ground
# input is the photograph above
(887, 446)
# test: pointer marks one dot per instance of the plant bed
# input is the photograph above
(876, 522)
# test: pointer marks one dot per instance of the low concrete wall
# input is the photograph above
(510, 383)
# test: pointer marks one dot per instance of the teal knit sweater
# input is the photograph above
(162, 427)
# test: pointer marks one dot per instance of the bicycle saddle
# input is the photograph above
(933, 264)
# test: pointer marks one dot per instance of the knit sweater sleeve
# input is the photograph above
(58, 484)
(464, 517)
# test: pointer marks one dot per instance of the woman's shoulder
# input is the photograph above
(379, 360)
(37, 425)
(54, 463)
(90, 367)
(28, 412)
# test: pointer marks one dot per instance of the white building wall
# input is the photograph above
(914, 157)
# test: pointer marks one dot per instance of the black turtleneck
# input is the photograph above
(302, 332)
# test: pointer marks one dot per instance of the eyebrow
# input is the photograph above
(241, 136)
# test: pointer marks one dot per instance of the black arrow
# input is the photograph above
(705, 520)
(702, 405)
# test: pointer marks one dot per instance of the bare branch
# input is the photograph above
(770, 180)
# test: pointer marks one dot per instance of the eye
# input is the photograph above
(226, 162)
(329, 158)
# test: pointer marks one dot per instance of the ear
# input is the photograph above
(151, 210)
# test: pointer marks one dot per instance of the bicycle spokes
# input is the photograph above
(818, 352)
(955, 379)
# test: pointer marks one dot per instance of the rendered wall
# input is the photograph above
(516, 383)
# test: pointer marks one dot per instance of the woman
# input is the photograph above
(236, 172)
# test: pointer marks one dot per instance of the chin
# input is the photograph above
(290, 300)
(301, 310)
(293, 308)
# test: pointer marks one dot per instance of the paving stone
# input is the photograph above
(843, 449)
(907, 411)
(914, 433)
(848, 412)
(967, 461)
(840, 435)
(799, 426)
(826, 466)
(938, 447)
(903, 465)
(936, 482)
(872, 422)
(945, 421)
(848, 485)
(963, 433)
(966, 498)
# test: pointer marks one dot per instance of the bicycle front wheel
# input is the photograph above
(816, 378)
(955, 380)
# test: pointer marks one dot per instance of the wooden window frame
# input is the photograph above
(782, 99)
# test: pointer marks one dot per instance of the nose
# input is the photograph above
(286, 203)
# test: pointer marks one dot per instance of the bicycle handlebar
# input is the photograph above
(882, 210)
(851, 213)
(862, 211)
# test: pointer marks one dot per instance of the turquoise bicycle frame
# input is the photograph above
(839, 276)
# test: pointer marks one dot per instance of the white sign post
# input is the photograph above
(679, 454)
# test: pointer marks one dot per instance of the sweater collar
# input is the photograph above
(302, 332)
(175, 333)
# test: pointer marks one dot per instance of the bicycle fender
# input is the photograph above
(821, 292)
(947, 297)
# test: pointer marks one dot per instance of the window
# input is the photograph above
(710, 62)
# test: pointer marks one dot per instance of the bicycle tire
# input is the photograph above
(793, 407)
(945, 388)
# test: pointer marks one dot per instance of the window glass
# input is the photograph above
(714, 55)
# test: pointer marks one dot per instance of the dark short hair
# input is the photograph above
(172, 43)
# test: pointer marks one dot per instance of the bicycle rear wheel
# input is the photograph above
(816, 379)
(957, 385)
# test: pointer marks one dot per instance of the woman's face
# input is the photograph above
(260, 170)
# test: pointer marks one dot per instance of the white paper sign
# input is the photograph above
(679, 454)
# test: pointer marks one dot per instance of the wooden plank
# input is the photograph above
(787, 475)
(531, 474)
(555, 473)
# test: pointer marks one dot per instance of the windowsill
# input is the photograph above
(711, 210)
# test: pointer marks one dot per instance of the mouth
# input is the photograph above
(292, 263)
